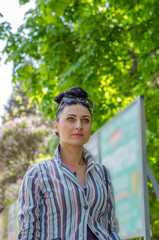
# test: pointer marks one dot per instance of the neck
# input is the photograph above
(71, 156)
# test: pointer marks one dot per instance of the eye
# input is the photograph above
(70, 119)
(85, 120)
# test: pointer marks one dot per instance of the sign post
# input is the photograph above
(143, 157)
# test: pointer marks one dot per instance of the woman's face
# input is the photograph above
(74, 126)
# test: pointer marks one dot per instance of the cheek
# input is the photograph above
(64, 128)
(89, 130)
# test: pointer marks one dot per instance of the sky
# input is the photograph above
(13, 13)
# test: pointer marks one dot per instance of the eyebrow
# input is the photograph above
(76, 115)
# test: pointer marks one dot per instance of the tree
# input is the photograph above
(109, 48)
(5, 29)
(23, 141)
(77, 43)
(25, 138)
(19, 105)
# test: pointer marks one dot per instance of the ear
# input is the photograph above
(56, 126)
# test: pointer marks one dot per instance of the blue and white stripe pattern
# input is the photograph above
(53, 204)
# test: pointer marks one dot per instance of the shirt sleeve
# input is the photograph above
(29, 201)
(113, 224)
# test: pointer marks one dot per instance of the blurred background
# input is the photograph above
(109, 48)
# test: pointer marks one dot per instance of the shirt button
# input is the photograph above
(86, 207)
(97, 233)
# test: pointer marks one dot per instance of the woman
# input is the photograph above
(66, 197)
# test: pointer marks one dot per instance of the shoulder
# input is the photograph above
(107, 174)
(44, 166)
(35, 169)
(49, 166)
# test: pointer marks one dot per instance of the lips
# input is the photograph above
(77, 134)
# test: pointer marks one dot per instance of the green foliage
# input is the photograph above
(23, 1)
(109, 48)
(5, 29)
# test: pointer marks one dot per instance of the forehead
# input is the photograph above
(76, 109)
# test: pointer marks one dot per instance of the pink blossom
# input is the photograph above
(22, 141)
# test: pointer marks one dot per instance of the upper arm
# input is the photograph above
(29, 201)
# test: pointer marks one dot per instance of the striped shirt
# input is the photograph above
(53, 204)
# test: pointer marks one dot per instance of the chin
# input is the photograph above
(77, 143)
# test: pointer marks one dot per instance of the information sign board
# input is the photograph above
(120, 145)
(119, 151)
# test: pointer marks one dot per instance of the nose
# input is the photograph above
(78, 125)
